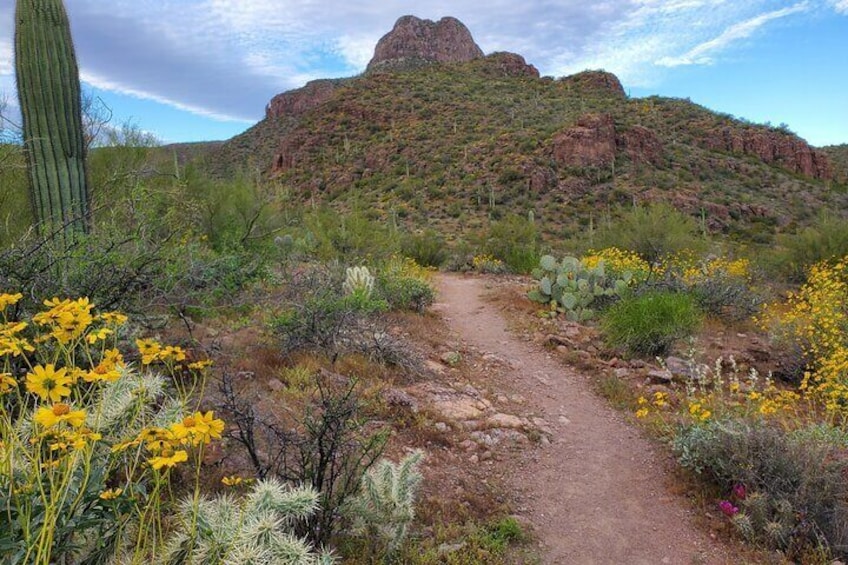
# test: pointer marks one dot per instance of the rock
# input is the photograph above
(461, 409)
(589, 143)
(399, 399)
(451, 358)
(506, 421)
(642, 145)
(660, 375)
(621, 372)
(503, 64)
(638, 364)
(771, 146)
(435, 366)
(468, 445)
(276, 384)
(442, 427)
(446, 548)
(414, 39)
(677, 366)
(295, 103)
(598, 81)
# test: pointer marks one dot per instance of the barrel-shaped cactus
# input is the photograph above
(50, 100)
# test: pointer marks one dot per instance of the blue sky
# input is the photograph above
(188, 70)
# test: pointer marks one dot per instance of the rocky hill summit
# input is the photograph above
(416, 40)
(435, 133)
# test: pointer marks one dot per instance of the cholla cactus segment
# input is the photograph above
(227, 531)
(386, 505)
(358, 280)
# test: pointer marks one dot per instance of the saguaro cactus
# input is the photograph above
(49, 93)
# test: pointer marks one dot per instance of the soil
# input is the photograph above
(594, 490)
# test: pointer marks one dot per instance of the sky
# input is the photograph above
(194, 70)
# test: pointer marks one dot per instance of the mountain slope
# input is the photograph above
(455, 144)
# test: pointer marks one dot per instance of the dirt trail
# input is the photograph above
(598, 492)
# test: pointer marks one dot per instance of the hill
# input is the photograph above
(452, 144)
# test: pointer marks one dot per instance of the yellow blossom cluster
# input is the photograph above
(816, 318)
(167, 447)
(486, 264)
(693, 269)
(152, 351)
(617, 262)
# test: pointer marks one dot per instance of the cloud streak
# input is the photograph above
(225, 59)
(703, 53)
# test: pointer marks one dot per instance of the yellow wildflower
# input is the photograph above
(642, 412)
(115, 318)
(7, 300)
(169, 460)
(149, 350)
(98, 335)
(232, 481)
(111, 494)
(7, 383)
(49, 416)
(200, 365)
(48, 383)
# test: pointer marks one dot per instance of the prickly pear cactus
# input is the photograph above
(569, 286)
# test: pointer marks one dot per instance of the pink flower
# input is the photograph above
(727, 507)
(739, 491)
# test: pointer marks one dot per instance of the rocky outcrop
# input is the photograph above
(414, 39)
(641, 145)
(503, 64)
(597, 81)
(590, 143)
(773, 148)
(295, 103)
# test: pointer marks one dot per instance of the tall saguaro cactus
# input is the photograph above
(49, 93)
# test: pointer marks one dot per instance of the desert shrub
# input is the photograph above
(789, 492)
(87, 442)
(825, 239)
(317, 314)
(515, 241)
(405, 284)
(815, 320)
(649, 324)
(721, 286)
(617, 263)
(427, 248)
(349, 236)
(653, 231)
(129, 271)
(329, 446)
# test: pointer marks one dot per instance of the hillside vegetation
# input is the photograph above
(454, 145)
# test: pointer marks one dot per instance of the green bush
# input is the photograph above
(515, 241)
(825, 239)
(793, 492)
(652, 231)
(405, 285)
(427, 248)
(650, 323)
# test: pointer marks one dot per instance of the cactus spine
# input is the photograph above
(49, 94)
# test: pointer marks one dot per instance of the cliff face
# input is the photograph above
(773, 148)
(445, 41)
(295, 103)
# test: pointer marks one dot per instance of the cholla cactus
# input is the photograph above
(358, 281)
(386, 505)
(227, 531)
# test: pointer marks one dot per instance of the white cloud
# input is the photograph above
(703, 53)
(226, 58)
(840, 6)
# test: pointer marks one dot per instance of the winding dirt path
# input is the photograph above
(598, 492)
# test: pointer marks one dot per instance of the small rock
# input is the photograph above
(563, 420)
(451, 358)
(621, 372)
(638, 364)
(505, 421)
(485, 456)
(442, 427)
(435, 366)
(660, 375)
(474, 459)
(562, 349)
(400, 399)
(276, 384)
(468, 445)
